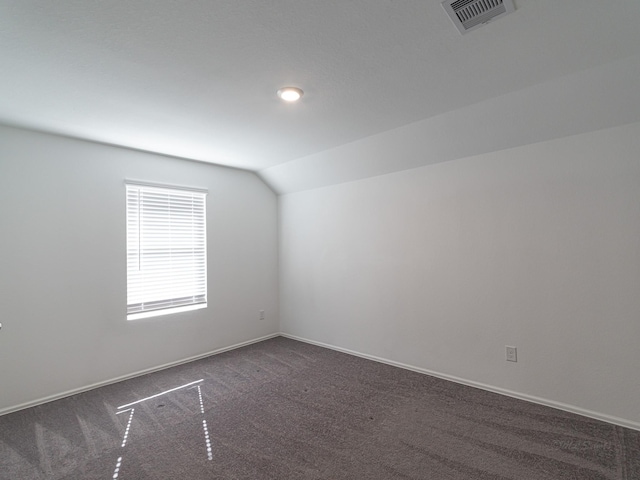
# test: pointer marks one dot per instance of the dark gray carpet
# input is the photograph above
(282, 409)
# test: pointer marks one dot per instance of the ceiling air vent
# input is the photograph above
(468, 15)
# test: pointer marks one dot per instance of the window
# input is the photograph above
(166, 250)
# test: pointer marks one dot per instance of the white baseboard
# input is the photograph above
(509, 393)
(139, 373)
(522, 396)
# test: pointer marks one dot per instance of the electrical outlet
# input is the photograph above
(512, 354)
(261, 314)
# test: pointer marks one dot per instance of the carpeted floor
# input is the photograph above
(282, 409)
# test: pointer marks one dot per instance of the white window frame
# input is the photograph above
(166, 249)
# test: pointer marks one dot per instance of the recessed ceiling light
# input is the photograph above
(290, 94)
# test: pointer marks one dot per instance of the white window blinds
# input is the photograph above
(166, 250)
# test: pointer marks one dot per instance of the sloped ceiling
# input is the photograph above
(197, 79)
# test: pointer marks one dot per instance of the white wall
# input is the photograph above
(442, 266)
(63, 266)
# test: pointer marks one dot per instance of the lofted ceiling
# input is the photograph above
(197, 78)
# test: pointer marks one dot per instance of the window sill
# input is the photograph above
(165, 311)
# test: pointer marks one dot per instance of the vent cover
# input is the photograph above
(468, 15)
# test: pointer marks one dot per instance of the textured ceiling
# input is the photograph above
(197, 79)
